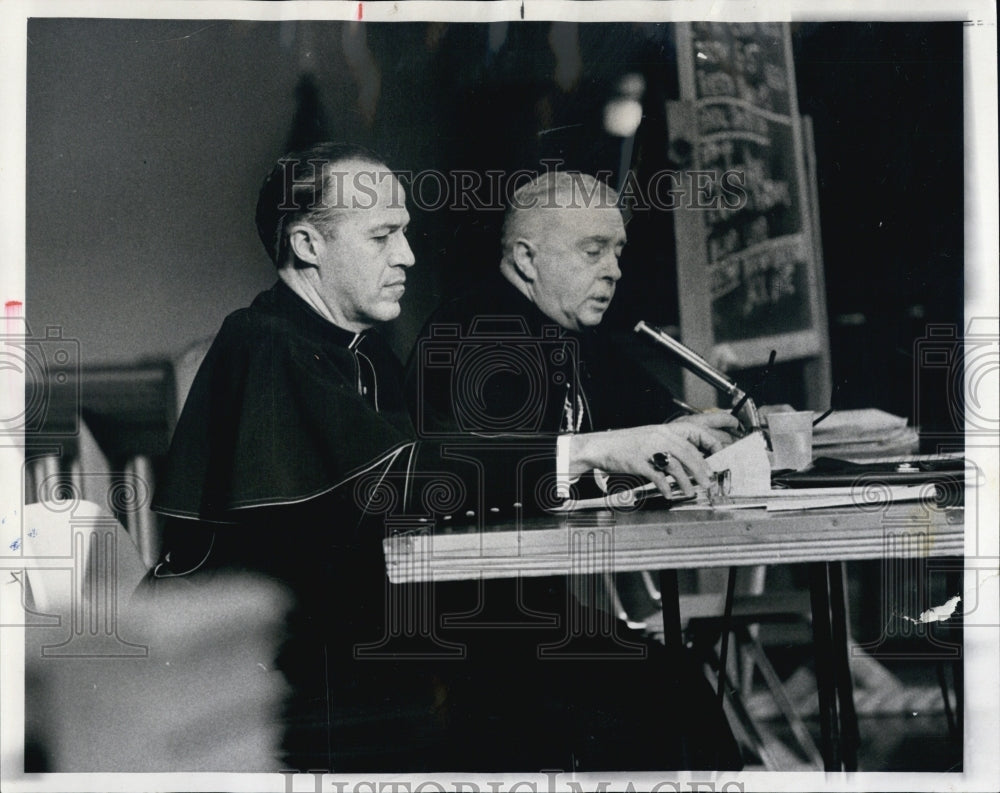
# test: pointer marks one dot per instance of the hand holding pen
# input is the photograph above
(722, 426)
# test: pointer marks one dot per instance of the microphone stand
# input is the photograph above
(743, 406)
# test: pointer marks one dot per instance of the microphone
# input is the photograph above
(743, 406)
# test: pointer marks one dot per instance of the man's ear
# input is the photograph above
(523, 256)
(306, 243)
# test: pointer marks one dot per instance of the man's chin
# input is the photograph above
(592, 318)
(386, 312)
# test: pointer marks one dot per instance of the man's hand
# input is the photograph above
(720, 424)
(630, 451)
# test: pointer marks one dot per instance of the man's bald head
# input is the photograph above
(534, 204)
(562, 237)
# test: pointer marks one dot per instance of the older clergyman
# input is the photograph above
(528, 371)
(561, 242)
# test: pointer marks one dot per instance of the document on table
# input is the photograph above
(864, 433)
(747, 463)
(770, 500)
(818, 498)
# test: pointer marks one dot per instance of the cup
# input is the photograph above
(791, 439)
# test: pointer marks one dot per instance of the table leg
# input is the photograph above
(958, 675)
(954, 582)
(842, 665)
(674, 640)
(670, 594)
(819, 591)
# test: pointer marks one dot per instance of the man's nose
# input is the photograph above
(402, 254)
(611, 270)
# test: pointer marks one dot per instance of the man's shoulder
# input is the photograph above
(263, 318)
(250, 332)
(494, 307)
(242, 331)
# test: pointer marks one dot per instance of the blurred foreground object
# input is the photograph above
(182, 682)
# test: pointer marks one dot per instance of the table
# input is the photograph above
(614, 541)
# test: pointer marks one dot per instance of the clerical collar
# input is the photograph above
(284, 301)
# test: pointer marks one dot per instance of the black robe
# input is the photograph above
(275, 415)
(512, 370)
(494, 381)
(293, 445)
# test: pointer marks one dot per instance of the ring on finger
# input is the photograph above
(660, 461)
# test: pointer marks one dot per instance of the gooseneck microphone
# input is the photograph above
(743, 406)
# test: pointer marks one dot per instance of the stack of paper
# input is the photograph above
(864, 434)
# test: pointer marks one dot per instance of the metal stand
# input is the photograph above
(838, 730)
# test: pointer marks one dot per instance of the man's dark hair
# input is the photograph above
(292, 192)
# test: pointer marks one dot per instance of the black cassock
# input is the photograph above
(293, 445)
(492, 362)
(494, 381)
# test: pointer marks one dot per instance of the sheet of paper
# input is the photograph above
(823, 497)
(746, 459)
(809, 498)
(857, 424)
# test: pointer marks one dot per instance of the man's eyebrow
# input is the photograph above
(603, 238)
(387, 226)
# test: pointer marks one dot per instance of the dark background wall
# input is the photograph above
(147, 141)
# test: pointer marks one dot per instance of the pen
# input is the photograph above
(735, 412)
(830, 409)
(828, 412)
(690, 409)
